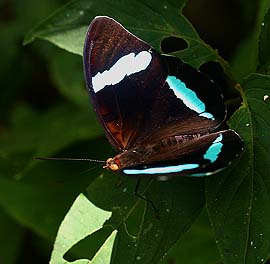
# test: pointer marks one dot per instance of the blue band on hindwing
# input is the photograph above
(214, 150)
(161, 170)
(189, 97)
(211, 154)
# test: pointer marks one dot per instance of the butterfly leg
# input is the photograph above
(145, 199)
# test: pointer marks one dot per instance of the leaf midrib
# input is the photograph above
(251, 161)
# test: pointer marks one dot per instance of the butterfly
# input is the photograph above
(160, 114)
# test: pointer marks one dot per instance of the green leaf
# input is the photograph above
(83, 219)
(246, 59)
(24, 11)
(67, 27)
(38, 184)
(199, 239)
(67, 73)
(43, 197)
(11, 238)
(141, 235)
(48, 133)
(264, 43)
(238, 198)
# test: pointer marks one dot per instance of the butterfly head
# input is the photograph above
(112, 164)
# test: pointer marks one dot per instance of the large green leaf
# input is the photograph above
(238, 199)
(264, 43)
(141, 235)
(48, 133)
(83, 219)
(150, 21)
(39, 184)
(246, 59)
(11, 239)
(67, 73)
(199, 239)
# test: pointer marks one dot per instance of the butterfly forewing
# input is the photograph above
(135, 90)
(123, 75)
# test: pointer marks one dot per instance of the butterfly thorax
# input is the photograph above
(126, 158)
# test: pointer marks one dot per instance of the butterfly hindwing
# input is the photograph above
(194, 156)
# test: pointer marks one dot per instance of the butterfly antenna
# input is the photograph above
(72, 159)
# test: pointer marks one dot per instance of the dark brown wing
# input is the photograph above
(122, 73)
(139, 94)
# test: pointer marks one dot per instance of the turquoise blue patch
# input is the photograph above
(189, 97)
(161, 170)
(214, 150)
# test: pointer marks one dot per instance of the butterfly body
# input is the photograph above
(160, 113)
